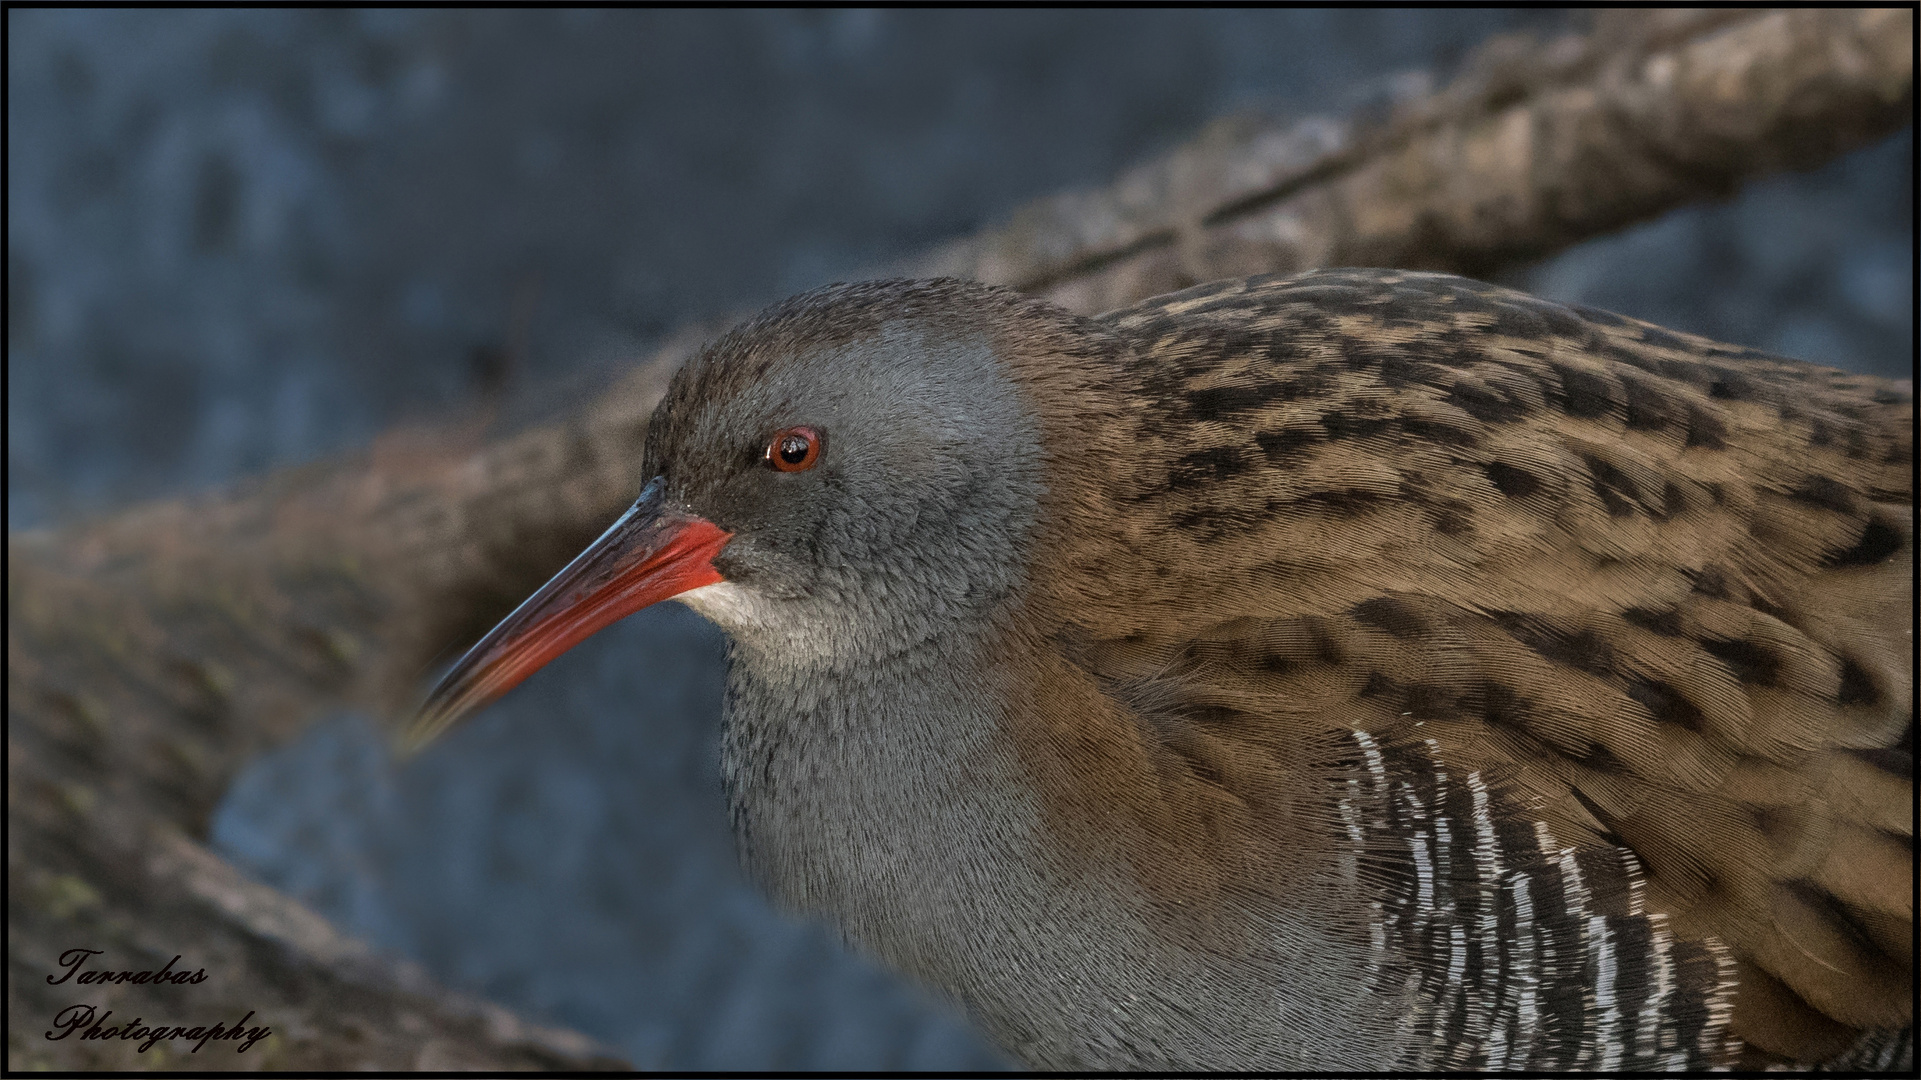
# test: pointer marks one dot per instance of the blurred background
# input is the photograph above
(244, 239)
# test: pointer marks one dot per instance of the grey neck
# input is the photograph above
(839, 780)
(894, 804)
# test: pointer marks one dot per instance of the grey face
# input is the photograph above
(911, 523)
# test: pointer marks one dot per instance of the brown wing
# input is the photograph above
(1662, 584)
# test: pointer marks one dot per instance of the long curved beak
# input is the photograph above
(653, 552)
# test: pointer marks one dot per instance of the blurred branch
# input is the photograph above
(93, 872)
(1534, 147)
(152, 653)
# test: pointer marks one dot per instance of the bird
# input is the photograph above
(1358, 669)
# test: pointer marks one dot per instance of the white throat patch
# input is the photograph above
(726, 604)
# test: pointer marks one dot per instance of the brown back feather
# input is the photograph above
(1660, 587)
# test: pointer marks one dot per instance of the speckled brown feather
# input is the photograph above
(1657, 589)
(1358, 670)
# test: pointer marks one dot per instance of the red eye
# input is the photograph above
(793, 449)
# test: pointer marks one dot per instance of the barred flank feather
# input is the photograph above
(1550, 670)
(1525, 954)
(1645, 593)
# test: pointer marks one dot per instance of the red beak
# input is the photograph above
(652, 553)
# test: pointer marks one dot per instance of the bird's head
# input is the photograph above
(851, 475)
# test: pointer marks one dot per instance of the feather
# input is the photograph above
(1581, 593)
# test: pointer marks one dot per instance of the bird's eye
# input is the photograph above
(793, 449)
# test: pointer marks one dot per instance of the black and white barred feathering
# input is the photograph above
(1137, 680)
(1514, 951)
